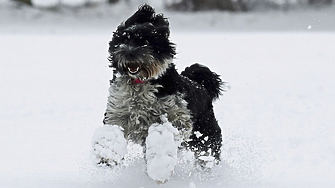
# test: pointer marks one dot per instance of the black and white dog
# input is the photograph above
(151, 104)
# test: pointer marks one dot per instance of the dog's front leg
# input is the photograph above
(109, 145)
(161, 150)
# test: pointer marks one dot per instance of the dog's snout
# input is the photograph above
(130, 55)
(128, 51)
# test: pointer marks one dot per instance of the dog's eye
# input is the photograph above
(143, 43)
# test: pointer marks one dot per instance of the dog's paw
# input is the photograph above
(206, 162)
(161, 150)
(109, 146)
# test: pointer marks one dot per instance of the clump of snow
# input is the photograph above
(208, 161)
(162, 147)
(109, 145)
(198, 134)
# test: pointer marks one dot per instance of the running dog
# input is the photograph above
(151, 104)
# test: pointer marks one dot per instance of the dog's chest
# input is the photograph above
(135, 107)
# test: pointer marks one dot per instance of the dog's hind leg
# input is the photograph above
(109, 146)
(206, 140)
(161, 150)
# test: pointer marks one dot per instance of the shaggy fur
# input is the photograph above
(146, 85)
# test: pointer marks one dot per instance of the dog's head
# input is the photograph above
(140, 47)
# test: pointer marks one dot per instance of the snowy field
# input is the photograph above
(277, 119)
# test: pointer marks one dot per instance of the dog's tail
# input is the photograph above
(205, 77)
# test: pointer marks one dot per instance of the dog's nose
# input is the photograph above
(130, 55)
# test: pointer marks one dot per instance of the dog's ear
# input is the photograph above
(145, 13)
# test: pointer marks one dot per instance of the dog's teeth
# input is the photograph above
(132, 71)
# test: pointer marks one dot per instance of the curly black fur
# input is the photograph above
(199, 98)
(145, 29)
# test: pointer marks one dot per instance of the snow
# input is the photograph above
(277, 118)
(109, 145)
(161, 150)
(198, 134)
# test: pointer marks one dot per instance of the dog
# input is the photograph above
(151, 104)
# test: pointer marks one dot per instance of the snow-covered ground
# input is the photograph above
(277, 119)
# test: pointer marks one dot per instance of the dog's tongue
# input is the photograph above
(137, 81)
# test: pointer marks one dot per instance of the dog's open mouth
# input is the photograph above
(134, 68)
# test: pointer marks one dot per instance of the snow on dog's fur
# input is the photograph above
(153, 105)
